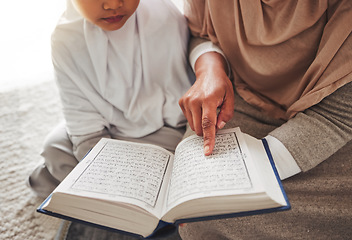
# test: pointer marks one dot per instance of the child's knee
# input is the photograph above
(58, 161)
(58, 153)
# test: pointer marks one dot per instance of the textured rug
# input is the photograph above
(26, 116)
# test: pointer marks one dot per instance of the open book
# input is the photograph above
(134, 187)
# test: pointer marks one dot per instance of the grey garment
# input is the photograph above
(62, 153)
(58, 162)
(320, 131)
(320, 141)
(80, 231)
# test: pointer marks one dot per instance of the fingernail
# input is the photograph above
(206, 150)
(221, 125)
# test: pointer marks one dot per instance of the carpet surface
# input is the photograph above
(26, 116)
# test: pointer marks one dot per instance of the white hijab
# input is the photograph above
(130, 79)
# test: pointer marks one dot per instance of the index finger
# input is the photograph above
(209, 119)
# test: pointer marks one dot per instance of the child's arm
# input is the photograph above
(79, 96)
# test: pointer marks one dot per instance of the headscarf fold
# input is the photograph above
(286, 56)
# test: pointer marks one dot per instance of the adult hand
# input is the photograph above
(211, 91)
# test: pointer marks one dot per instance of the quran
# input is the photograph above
(140, 188)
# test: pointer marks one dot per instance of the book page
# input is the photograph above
(125, 169)
(195, 173)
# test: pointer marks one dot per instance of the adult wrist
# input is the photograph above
(208, 47)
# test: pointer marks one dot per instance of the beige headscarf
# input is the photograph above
(286, 56)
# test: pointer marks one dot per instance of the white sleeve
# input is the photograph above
(202, 48)
(284, 162)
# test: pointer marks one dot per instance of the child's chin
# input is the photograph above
(106, 26)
